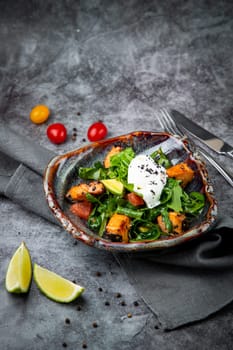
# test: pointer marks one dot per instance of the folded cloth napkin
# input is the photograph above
(180, 286)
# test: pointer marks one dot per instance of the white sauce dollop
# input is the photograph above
(148, 179)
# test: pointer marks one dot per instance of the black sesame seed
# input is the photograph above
(78, 113)
(74, 129)
(83, 140)
(67, 320)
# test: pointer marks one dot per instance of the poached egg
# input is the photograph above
(148, 179)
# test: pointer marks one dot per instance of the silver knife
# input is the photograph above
(212, 141)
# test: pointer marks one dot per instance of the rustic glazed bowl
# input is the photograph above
(62, 173)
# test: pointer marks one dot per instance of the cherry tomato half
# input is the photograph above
(97, 131)
(57, 133)
(39, 114)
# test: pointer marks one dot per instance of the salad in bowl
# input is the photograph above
(135, 192)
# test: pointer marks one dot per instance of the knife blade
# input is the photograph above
(212, 141)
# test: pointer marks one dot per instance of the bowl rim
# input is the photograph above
(97, 241)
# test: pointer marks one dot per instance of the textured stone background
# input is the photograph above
(118, 61)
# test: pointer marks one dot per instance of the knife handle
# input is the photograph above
(227, 176)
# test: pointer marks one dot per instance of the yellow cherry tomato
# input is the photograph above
(39, 114)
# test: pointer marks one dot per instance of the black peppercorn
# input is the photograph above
(67, 320)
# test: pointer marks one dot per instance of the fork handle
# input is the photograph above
(227, 176)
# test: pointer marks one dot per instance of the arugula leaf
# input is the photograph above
(193, 202)
(120, 163)
(166, 220)
(132, 213)
(142, 230)
(92, 199)
(94, 221)
(175, 203)
(97, 172)
(89, 173)
(172, 195)
(160, 158)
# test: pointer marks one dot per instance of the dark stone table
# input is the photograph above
(115, 61)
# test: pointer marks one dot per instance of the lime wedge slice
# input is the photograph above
(56, 287)
(19, 272)
(114, 186)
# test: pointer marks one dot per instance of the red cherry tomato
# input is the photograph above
(57, 133)
(97, 131)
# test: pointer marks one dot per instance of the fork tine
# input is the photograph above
(164, 122)
(170, 124)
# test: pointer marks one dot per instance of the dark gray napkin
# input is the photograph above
(180, 286)
(188, 283)
(22, 164)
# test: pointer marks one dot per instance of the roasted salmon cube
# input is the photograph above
(181, 171)
(176, 220)
(78, 192)
(119, 225)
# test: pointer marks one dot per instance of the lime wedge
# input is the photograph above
(56, 287)
(114, 186)
(19, 272)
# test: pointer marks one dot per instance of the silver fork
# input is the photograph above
(168, 123)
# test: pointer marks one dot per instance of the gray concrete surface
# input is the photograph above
(115, 61)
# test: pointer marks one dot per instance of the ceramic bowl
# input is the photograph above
(62, 173)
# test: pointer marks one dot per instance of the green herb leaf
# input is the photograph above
(132, 213)
(193, 202)
(175, 202)
(143, 230)
(120, 163)
(166, 220)
(160, 158)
